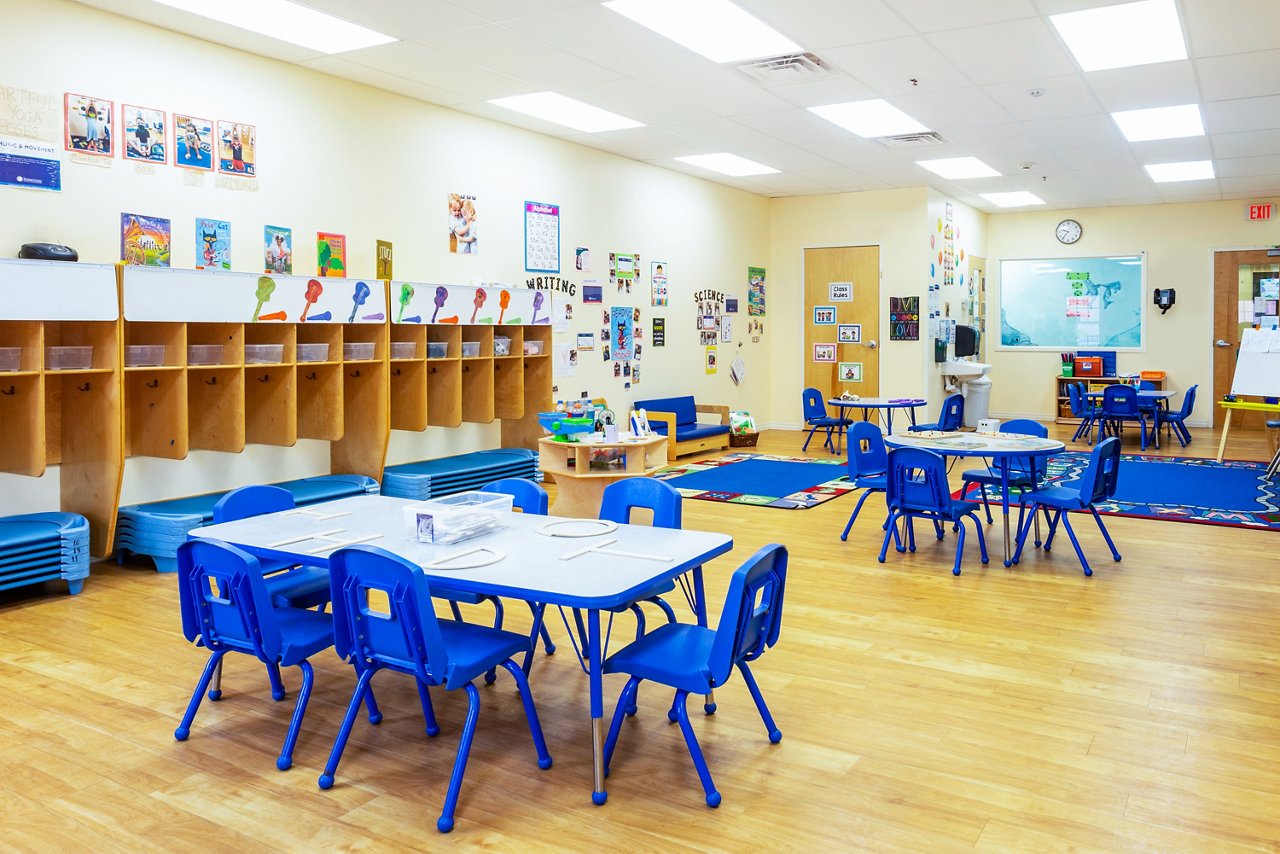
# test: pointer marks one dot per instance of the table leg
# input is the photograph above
(594, 672)
(1004, 500)
(1222, 444)
(700, 611)
(888, 418)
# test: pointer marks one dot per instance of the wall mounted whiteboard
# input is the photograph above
(1069, 303)
(1258, 365)
(58, 290)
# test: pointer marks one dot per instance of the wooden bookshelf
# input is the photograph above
(1064, 403)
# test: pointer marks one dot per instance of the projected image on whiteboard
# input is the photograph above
(1061, 303)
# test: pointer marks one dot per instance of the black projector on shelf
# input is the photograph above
(48, 252)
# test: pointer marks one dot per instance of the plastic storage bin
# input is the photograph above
(313, 352)
(68, 358)
(404, 349)
(357, 351)
(143, 355)
(437, 349)
(533, 348)
(501, 345)
(10, 358)
(470, 349)
(456, 517)
(204, 354)
(263, 354)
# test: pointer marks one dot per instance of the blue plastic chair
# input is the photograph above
(407, 638)
(528, 497)
(1084, 409)
(620, 499)
(1178, 420)
(1120, 404)
(300, 587)
(1097, 484)
(917, 487)
(950, 418)
(226, 608)
(817, 418)
(1024, 473)
(696, 660)
(868, 465)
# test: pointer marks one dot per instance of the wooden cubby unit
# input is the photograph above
(523, 430)
(215, 408)
(1063, 414)
(366, 404)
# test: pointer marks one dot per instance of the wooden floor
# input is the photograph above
(1023, 709)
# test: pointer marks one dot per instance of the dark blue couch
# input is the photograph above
(677, 419)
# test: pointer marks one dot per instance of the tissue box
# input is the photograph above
(456, 517)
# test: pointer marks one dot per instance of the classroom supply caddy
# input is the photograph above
(457, 517)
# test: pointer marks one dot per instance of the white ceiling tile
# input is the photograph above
(1186, 191)
(843, 178)
(648, 143)
(1005, 52)
(1215, 28)
(792, 185)
(1064, 95)
(506, 51)
(404, 19)
(929, 16)
(819, 24)
(1240, 76)
(788, 158)
(718, 134)
(860, 153)
(836, 89)
(954, 108)
(1249, 144)
(424, 65)
(1165, 84)
(1253, 185)
(1132, 181)
(888, 67)
(1093, 157)
(797, 127)
(1245, 114)
(505, 10)
(1244, 167)
(1173, 150)
(722, 91)
(340, 67)
(1074, 131)
(636, 100)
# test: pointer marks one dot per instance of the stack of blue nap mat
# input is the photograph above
(447, 475)
(44, 547)
(157, 529)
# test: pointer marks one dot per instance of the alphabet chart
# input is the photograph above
(541, 237)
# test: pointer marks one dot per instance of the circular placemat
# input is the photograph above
(596, 528)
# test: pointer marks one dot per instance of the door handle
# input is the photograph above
(871, 344)
(1221, 343)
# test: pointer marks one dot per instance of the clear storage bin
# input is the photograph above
(313, 352)
(501, 345)
(456, 517)
(143, 355)
(404, 349)
(263, 354)
(357, 351)
(204, 354)
(10, 358)
(68, 358)
(470, 349)
(437, 349)
(533, 348)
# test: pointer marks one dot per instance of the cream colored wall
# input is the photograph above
(1179, 240)
(338, 156)
(970, 229)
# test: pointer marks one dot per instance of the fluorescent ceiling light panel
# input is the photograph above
(1013, 200)
(728, 164)
(553, 107)
(954, 168)
(1123, 36)
(286, 21)
(717, 29)
(1189, 170)
(869, 119)
(1160, 123)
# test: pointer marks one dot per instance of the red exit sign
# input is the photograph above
(1263, 211)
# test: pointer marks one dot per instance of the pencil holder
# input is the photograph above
(1068, 369)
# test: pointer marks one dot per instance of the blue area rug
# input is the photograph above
(1184, 489)
(765, 480)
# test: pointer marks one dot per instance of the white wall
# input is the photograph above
(969, 229)
(339, 156)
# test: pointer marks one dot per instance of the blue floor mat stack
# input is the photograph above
(158, 528)
(44, 547)
(447, 475)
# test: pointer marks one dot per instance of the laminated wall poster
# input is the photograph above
(277, 250)
(192, 142)
(331, 254)
(622, 270)
(755, 291)
(89, 125)
(541, 237)
(213, 244)
(384, 264)
(464, 225)
(144, 134)
(658, 282)
(237, 149)
(144, 240)
(904, 318)
(621, 323)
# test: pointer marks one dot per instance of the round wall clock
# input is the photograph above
(1068, 231)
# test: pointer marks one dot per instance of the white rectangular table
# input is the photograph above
(525, 564)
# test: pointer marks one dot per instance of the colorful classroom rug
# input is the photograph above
(1184, 489)
(765, 480)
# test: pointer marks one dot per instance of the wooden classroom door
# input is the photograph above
(1234, 276)
(854, 330)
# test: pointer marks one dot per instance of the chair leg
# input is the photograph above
(955, 570)
(666, 608)
(808, 439)
(1105, 534)
(215, 689)
(856, 510)
(344, 731)
(890, 530)
(699, 761)
(277, 685)
(986, 503)
(911, 533)
(530, 712)
(1053, 529)
(775, 734)
(1084, 562)
(615, 726)
(982, 542)
(491, 675)
(428, 710)
(445, 823)
(184, 728)
(295, 724)
(1024, 528)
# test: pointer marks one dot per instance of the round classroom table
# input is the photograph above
(993, 446)
(870, 404)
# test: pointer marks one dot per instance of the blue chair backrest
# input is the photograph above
(867, 454)
(623, 496)
(752, 615)
(224, 600)
(917, 481)
(1076, 400)
(251, 500)
(1025, 427)
(406, 635)
(1146, 385)
(1099, 479)
(952, 416)
(1188, 402)
(529, 497)
(1120, 400)
(814, 404)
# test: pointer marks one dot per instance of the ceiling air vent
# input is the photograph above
(910, 140)
(782, 70)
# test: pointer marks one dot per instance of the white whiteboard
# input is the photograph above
(58, 290)
(1258, 365)
(171, 294)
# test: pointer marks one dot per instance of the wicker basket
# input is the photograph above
(743, 440)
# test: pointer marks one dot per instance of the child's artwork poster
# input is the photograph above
(88, 125)
(582, 259)
(213, 244)
(144, 134)
(237, 149)
(383, 254)
(849, 372)
(192, 142)
(541, 237)
(904, 318)
(463, 229)
(622, 270)
(755, 291)
(621, 340)
(658, 282)
(331, 255)
(659, 332)
(144, 240)
(592, 291)
(711, 360)
(278, 250)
